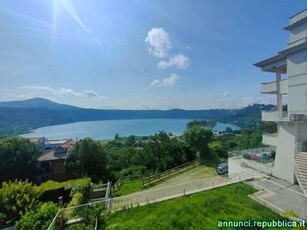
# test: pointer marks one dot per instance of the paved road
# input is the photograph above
(167, 192)
(172, 191)
(274, 193)
(281, 196)
(278, 194)
(198, 172)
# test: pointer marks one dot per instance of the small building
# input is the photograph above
(50, 165)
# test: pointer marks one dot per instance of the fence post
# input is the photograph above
(60, 201)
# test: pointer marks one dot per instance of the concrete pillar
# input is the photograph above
(279, 96)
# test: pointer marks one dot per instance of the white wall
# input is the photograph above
(297, 82)
(297, 35)
(284, 160)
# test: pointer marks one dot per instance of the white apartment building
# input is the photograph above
(289, 72)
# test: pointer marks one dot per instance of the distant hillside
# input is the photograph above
(36, 103)
(247, 117)
(21, 116)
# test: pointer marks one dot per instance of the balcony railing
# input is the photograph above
(274, 116)
(270, 139)
(271, 88)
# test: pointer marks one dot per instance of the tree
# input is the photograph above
(131, 140)
(16, 198)
(39, 218)
(217, 148)
(228, 130)
(198, 138)
(87, 158)
(17, 158)
(162, 152)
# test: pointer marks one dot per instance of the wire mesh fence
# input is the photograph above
(88, 214)
(240, 153)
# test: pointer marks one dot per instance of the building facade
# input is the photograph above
(289, 71)
(50, 164)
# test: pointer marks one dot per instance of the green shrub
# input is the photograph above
(76, 200)
(52, 189)
(16, 198)
(53, 185)
(92, 212)
(79, 226)
(38, 219)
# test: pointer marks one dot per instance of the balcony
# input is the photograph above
(270, 87)
(270, 139)
(274, 116)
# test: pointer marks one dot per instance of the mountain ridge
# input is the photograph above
(36, 102)
(18, 117)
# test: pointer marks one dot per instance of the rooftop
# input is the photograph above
(52, 155)
(281, 56)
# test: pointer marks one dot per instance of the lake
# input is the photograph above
(106, 129)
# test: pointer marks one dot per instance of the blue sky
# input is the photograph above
(141, 54)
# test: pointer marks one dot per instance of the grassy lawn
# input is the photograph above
(199, 211)
(129, 187)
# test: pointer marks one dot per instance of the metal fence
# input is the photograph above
(239, 153)
(89, 213)
(169, 192)
(168, 173)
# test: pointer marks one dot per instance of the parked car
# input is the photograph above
(251, 156)
(222, 168)
(264, 155)
(254, 157)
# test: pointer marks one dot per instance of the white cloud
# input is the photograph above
(158, 42)
(226, 95)
(64, 91)
(166, 82)
(155, 83)
(180, 61)
(90, 93)
(60, 91)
